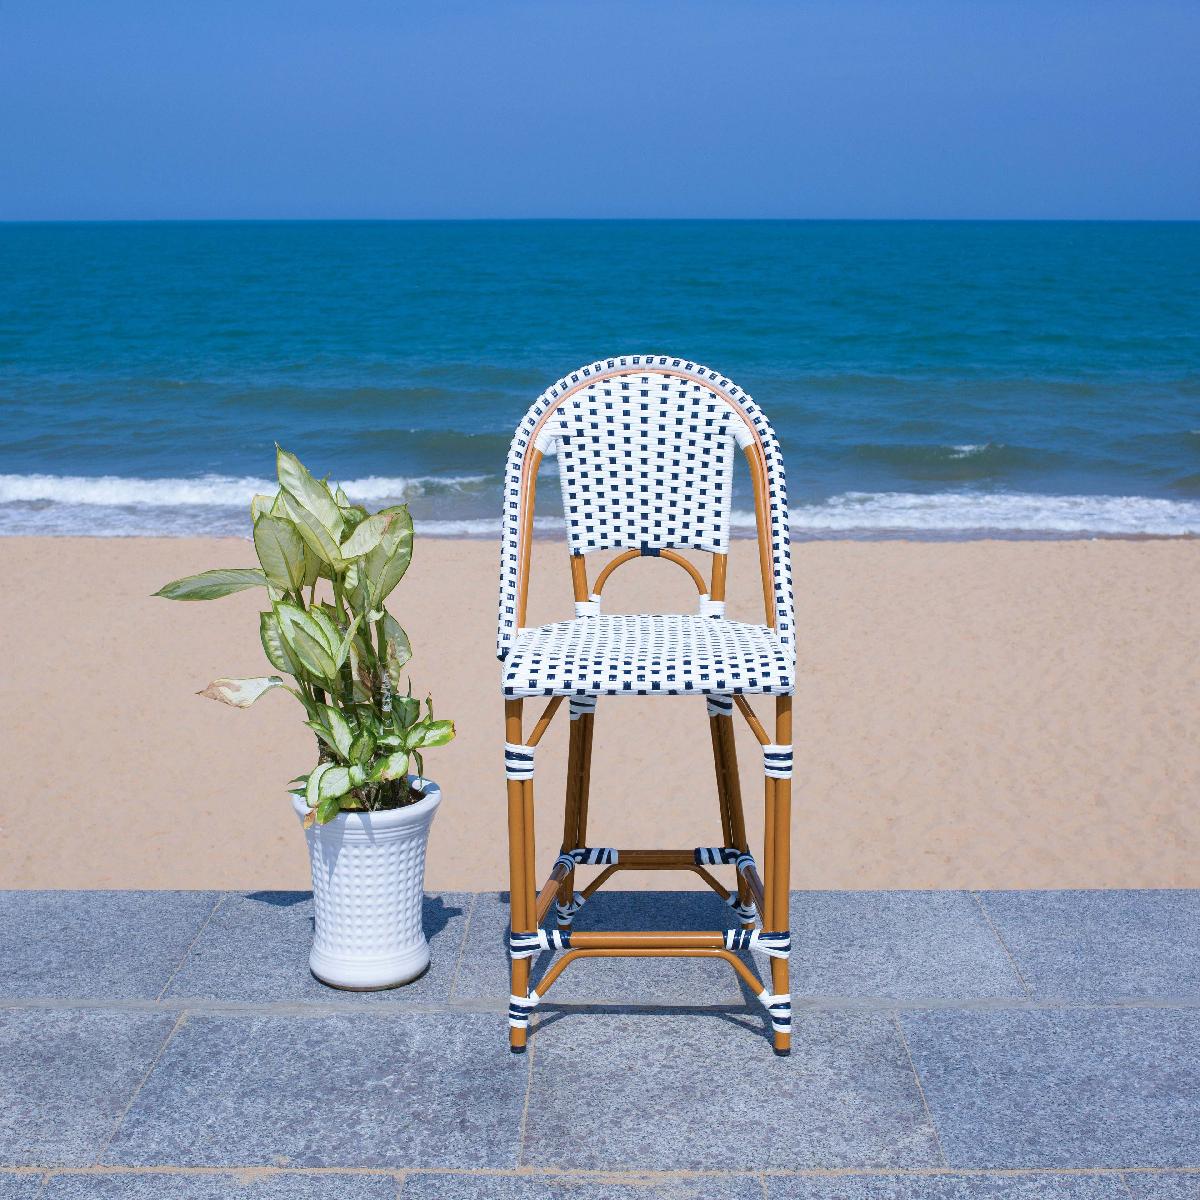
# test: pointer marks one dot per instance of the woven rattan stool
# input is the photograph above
(646, 447)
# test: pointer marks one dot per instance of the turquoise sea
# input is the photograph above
(926, 378)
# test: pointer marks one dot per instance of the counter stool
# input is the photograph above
(646, 447)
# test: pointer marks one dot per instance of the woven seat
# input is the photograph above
(646, 447)
(661, 655)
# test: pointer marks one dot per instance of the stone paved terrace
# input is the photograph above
(949, 1045)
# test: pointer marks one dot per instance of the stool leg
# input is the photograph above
(571, 835)
(521, 913)
(587, 723)
(778, 882)
(729, 789)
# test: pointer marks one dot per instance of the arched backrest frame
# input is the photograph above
(753, 433)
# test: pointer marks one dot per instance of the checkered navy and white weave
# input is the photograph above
(669, 654)
(645, 446)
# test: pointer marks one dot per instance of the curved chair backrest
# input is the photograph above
(645, 447)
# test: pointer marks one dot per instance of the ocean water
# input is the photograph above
(929, 379)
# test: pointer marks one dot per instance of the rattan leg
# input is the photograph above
(779, 815)
(517, 874)
(737, 816)
(566, 889)
(729, 793)
(587, 723)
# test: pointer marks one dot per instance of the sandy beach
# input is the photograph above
(973, 714)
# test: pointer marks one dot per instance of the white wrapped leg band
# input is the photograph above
(519, 1008)
(710, 607)
(780, 1008)
(777, 762)
(566, 912)
(745, 912)
(719, 705)
(586, 856)
(777, 945)
(581, 705)
(716, 856)
(527, 945)
(518, 761)
(589, 607)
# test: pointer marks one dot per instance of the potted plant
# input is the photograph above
(328, 566)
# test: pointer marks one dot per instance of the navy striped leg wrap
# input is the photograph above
(518, 761)
(520, 1008)
(719, 705)
(716, 856)
(587, 856)
(526, 945)
(582, 705)
(780, 1008)
(777, 945)
(566, 912)
(777, 762)
(745, 912)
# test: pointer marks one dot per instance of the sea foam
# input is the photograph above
(460, 506)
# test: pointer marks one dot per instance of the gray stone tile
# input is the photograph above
(897, 946)
(948, 1187)
(96, 945)
(256, 948)
(73, 1072)
(362, 1090)
(20, 1187)
(484, 969)
(1075, 1087)
(1164, 1187)
(1102, 945)
(694, 1091)
(176, 1185)
(575, 1187)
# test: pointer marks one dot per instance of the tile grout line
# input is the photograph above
(1012, 962)
(912, 1066)
(496, 1004)
(524, 1126)
(137, 1091)
(762, 1183)
(598, 1174)
(192, 944)
(1126, 1186)
(462, 946)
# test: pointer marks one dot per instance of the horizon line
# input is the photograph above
(595, 220)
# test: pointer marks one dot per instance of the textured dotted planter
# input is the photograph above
(368, 873)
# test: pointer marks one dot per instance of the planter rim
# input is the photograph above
(382, 818)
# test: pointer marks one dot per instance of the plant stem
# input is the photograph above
(385, 682)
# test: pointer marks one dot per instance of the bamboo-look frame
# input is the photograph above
(529, 906)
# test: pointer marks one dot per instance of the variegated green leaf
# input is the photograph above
(430, 733)
(397, 649)
(313, 495)
(305, 640)
(280, 550)
(212, 585)
(367, 535)
(384, 566)
(316, 537)
(277, 652)
(261, 506)
(394, 766)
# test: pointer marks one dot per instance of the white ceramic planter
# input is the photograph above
(368, 873)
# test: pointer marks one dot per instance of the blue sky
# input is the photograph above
(124, 109)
